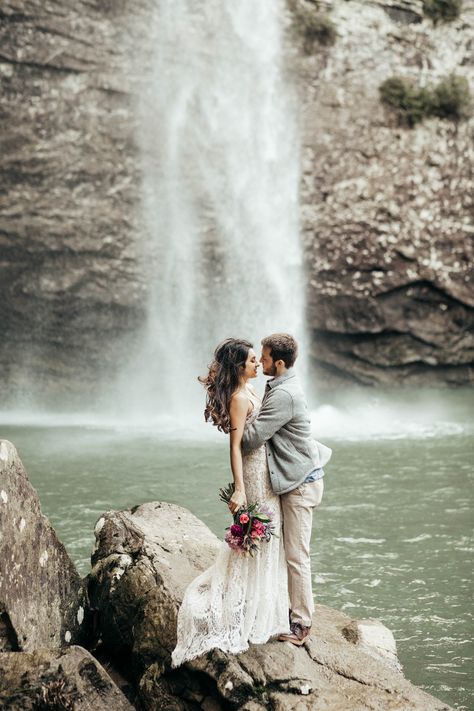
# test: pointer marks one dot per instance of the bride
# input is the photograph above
(238, 599)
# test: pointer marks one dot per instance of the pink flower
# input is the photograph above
(246, 534)
(258, 527)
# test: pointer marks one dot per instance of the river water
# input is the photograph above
(393, 539)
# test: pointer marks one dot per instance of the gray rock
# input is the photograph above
(43, 602)
(404, 11)
(375, 639)
(69, 679)
(143, 561)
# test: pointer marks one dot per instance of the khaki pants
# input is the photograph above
(298, 508)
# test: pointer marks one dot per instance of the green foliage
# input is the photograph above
(450, 99)
(225, 494)
(410, 102)
(442, 10)
(315, 27)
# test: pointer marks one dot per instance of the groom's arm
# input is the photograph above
(276, 411)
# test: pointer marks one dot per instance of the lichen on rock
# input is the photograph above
(41, 592)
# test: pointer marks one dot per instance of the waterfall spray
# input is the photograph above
(220, 150)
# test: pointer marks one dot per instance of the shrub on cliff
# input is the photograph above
(411, 103)
(316, 28)
(450, 99)
(442, 10)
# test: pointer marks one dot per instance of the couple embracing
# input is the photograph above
(276, 462)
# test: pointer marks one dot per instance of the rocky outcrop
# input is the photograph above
(44, 611)
(143, 560)
(68, 679)
(387, 211)
(43, 602)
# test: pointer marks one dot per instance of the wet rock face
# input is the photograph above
(43, 602)
(68, 679)
(143, 560)
(71, 284)
(387, 211)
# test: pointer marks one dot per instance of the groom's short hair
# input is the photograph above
(282, 347)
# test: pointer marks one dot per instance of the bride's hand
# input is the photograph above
(238, 500)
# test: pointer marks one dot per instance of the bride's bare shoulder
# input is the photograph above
(238, 408)
(239, 397)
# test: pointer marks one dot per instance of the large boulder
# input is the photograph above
(143, 560)
(43, 602)
(69, 679)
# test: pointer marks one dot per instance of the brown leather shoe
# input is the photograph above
(297, 636)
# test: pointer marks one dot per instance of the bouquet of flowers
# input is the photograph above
(251, 526)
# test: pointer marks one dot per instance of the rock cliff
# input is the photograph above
(70, 275)
(386, 211)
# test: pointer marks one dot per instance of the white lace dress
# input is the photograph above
(238, 599)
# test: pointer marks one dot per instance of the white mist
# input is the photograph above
(220, 151)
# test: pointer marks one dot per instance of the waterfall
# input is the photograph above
(219, 143)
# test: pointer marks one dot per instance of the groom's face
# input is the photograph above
(268, 366)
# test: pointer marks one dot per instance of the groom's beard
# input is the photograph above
(270, 371)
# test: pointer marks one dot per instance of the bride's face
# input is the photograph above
(251, 365)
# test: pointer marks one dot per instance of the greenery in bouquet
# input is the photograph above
(252, 525)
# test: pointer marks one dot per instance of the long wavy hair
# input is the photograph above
(223, 379)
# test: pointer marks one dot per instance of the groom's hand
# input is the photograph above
(238, 500)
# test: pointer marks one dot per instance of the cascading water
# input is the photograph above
(219, 141)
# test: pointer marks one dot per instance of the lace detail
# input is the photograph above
(238, 600)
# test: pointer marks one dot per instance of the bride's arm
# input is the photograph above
(238, 413)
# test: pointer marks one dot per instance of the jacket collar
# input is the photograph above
(273, 382)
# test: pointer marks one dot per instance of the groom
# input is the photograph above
(295, 462)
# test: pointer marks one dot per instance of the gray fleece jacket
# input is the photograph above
(284, 426)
